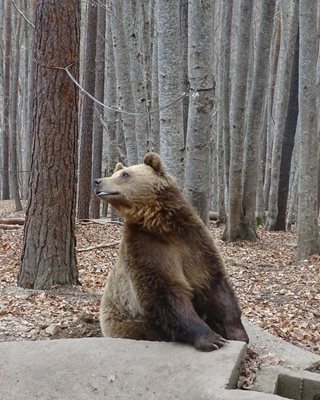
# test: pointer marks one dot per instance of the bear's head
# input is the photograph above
(137, 192)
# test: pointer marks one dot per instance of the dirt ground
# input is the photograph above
(275, 291)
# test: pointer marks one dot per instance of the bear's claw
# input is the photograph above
(210, 342)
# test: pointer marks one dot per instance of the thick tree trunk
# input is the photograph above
(99, 94)
(237, 116)
(288, 142)
(48, 253)
(308, 228)
(200, 72)
(170, 78)
(254, 119)
(200, 60)
(85, 162)
(289, 26)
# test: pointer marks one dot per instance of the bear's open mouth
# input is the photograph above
(106, 193)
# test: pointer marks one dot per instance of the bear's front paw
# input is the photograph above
(209, 342)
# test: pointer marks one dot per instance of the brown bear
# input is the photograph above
(169, 283)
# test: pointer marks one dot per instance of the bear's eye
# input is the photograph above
(124, 175)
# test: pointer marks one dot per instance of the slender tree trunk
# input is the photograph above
(254, 119)
(308, 229)
(15, 66)
(48, 254)
(289, 26)
(274, 62)
(133, 20)
(262, 153)
(6, 100)
(288, 142)
(85, 162)
(200, 72)
(122, 62)
(29, 132)
(113, 119)
(99, 94)
(27, 98)
(293, 192)
(184, 58)
(170, 78)
(111, 99)
(237, 115)
(2, 87)
(154, 138)
(224, 103)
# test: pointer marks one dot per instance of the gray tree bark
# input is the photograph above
(288, 141)
(223, 122)
(122, 62)
(27, 96)
(99, 95)
(308, 229)
(6, 100)
(111, 100)
(154, 137)
(48, 254)
(133, 21)
(184, 58)
(200, 72)
(289, 26)
(254, 119)
(237, 115)
(13, 156)
(274, 55)
(172, 146)
(85, 161)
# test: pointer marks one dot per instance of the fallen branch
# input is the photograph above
(12, 221)
(99, 246)
(97, 221)
(7, 227)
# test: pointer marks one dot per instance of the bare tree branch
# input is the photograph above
(22, 14)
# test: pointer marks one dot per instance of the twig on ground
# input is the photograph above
(7, 227)
(99, 246)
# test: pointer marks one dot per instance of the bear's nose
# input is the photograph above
(97, 182)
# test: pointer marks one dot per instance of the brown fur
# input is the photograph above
(169, 282)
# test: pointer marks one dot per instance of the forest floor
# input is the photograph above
(276, 292)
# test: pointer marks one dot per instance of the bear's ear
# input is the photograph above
(154, 161)
(118, 167)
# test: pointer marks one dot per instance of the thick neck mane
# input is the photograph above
(169, 213)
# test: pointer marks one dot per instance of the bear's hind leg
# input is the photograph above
(130, 329)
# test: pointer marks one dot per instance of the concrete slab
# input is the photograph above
(96, 368)
(289, 354)
(293, 360)
(299, 385)
(244, 395)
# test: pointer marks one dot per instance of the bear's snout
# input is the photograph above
(97, 182)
